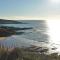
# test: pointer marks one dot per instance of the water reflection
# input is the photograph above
(54, 34)
(45, 34)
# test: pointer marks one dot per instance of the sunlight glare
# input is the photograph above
(54, 33)
(54, 30)
(55, 1)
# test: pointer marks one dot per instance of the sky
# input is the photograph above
(30, 9)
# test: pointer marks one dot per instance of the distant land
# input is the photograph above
(4, 21)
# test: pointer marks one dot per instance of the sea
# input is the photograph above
(43, 34)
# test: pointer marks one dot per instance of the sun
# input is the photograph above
(55, 1)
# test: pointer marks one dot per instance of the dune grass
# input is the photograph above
(22, 54)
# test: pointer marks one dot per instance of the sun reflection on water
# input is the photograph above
(54, 33)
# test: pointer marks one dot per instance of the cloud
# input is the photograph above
(21, 18)
(53, 17)
(49, 17)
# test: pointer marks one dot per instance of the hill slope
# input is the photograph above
(3, 21)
